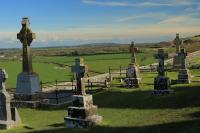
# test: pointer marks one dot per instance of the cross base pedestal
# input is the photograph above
(184, 76)
(132, 82)
(28, 86)
(82, 113)
(132, 76)
(162, 84)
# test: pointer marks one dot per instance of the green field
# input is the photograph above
(49, 70)
(128, 111)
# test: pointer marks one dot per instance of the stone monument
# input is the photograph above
(183, 76)
(132, 72)
(9, 116)
(161, 82)
(82, 113)
(28, 83)
(176, 61)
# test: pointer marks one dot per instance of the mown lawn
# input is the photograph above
(128, 111)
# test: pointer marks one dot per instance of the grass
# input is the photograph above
(100, 63)
(128, 111)
(48, 70)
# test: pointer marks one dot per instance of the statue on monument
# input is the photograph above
(133, 50)
(176, 62)
(177, 42)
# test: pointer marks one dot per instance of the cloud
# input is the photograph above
(115, 33)
(175, 20)
(194, 8)
(158, 3)
(146, 16)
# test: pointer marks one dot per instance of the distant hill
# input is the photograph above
(190, 43)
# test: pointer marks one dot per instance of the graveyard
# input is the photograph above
(95, 66)
(122, 109)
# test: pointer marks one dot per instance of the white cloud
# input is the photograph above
(146, 16)
(139, 4)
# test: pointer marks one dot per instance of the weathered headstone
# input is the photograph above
(161, 82)
(133, 50)
(176, 61)
(9, 116)
(132, 72)
(82, 113)
(183, 76)
(80, 70)
(28, 84)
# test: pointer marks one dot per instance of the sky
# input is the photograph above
(74, 22)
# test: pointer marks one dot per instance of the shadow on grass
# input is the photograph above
(27, 127)
(191, 126)
(183, 97)
(57, 125)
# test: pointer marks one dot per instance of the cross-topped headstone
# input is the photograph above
(177, 42)
(161, 56)
(26, 37)
(80, 71)
(133, 50)
(3, 77)
(182, 56)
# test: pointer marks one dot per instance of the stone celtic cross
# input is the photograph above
(26, 37)
(182, 56)
(177, 42)
(133, 50)
(80, 71)
(161, 56)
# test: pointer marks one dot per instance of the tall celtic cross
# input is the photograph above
(133, 50)
(161, 56)
(80, 71)
(182, 56)
(177, 42)
(26, 37)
